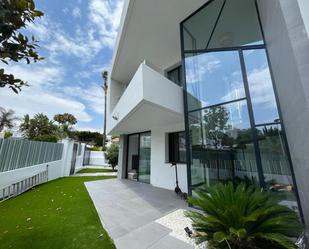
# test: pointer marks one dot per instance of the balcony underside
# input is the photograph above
(144, 117)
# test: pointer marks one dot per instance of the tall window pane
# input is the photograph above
(235, 30)
(197, 30)
(260, 86)
(144, 158)
(222, 147)
(275, 163)
(213, 78)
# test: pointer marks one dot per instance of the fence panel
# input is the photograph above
(21, 153)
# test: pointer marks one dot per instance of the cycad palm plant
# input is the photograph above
(242, 217)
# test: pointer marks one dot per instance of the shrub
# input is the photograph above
(96, 148)
(8, 134)
(242, 217)
(112, 155)
(47, 138)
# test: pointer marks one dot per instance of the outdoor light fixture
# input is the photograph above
(115, 117)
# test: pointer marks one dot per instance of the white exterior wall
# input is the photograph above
(304, 9)
(80, 158)
(162, 174)
(9, 177)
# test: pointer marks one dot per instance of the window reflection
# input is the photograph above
(222, 147)
(213, 78)
(210, 29)
(275, 163)
(260, 86)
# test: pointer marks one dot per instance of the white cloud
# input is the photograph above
(76, 12)
(92, 95)
(260, 84)
(99, 32)
(41, 96)
(87, 128)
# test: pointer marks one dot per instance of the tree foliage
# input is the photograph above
(243, 217)
(216, 122)
(52, 138)
(7, 119)
(14, 46)
(111, 154)
(8, 134)
(65, 119)
(66, 122)
(37, 126)
(105, 88)
(94, 138)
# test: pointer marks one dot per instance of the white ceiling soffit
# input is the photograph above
(149, 30)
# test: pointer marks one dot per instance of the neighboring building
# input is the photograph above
(213, 73)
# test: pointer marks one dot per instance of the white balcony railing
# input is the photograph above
(147, 90)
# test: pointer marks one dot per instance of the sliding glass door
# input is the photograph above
(144, 158)
(138, 160)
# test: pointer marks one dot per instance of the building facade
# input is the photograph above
(221, 87)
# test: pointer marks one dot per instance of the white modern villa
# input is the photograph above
(220, 87)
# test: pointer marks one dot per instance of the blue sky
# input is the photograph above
(77, 38)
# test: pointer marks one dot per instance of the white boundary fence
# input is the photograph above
(20, 153)
(23, 162)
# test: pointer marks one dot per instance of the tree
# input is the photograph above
(14, 46)
(111, 155)
(242, 217)
(89, 137)
(105, 88)
(66, 121)
(215, 123)
(7, 119)
(37, 126)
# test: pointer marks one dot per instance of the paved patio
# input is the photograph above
(128, 211)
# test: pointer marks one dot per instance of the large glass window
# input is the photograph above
(261, 88)
(223, 24)
(222, 147)
(232, 114)
(213, 78)
(177, 147)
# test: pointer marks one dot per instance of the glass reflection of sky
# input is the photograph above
(213, 78)
(260, 85)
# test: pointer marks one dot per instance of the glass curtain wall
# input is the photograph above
(232, 120)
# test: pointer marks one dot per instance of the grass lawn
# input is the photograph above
(95, 170)
(55, 215)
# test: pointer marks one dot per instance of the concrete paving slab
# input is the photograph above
(143, 237)
(128, 211)
(169, 242)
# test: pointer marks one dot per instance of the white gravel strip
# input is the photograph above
(176, 221)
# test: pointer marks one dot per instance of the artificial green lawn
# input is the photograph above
(55, 215)
(95, 171)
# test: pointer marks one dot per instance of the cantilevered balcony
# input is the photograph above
(149, 101)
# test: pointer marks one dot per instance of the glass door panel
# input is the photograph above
(144, 158)
(133, 157)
